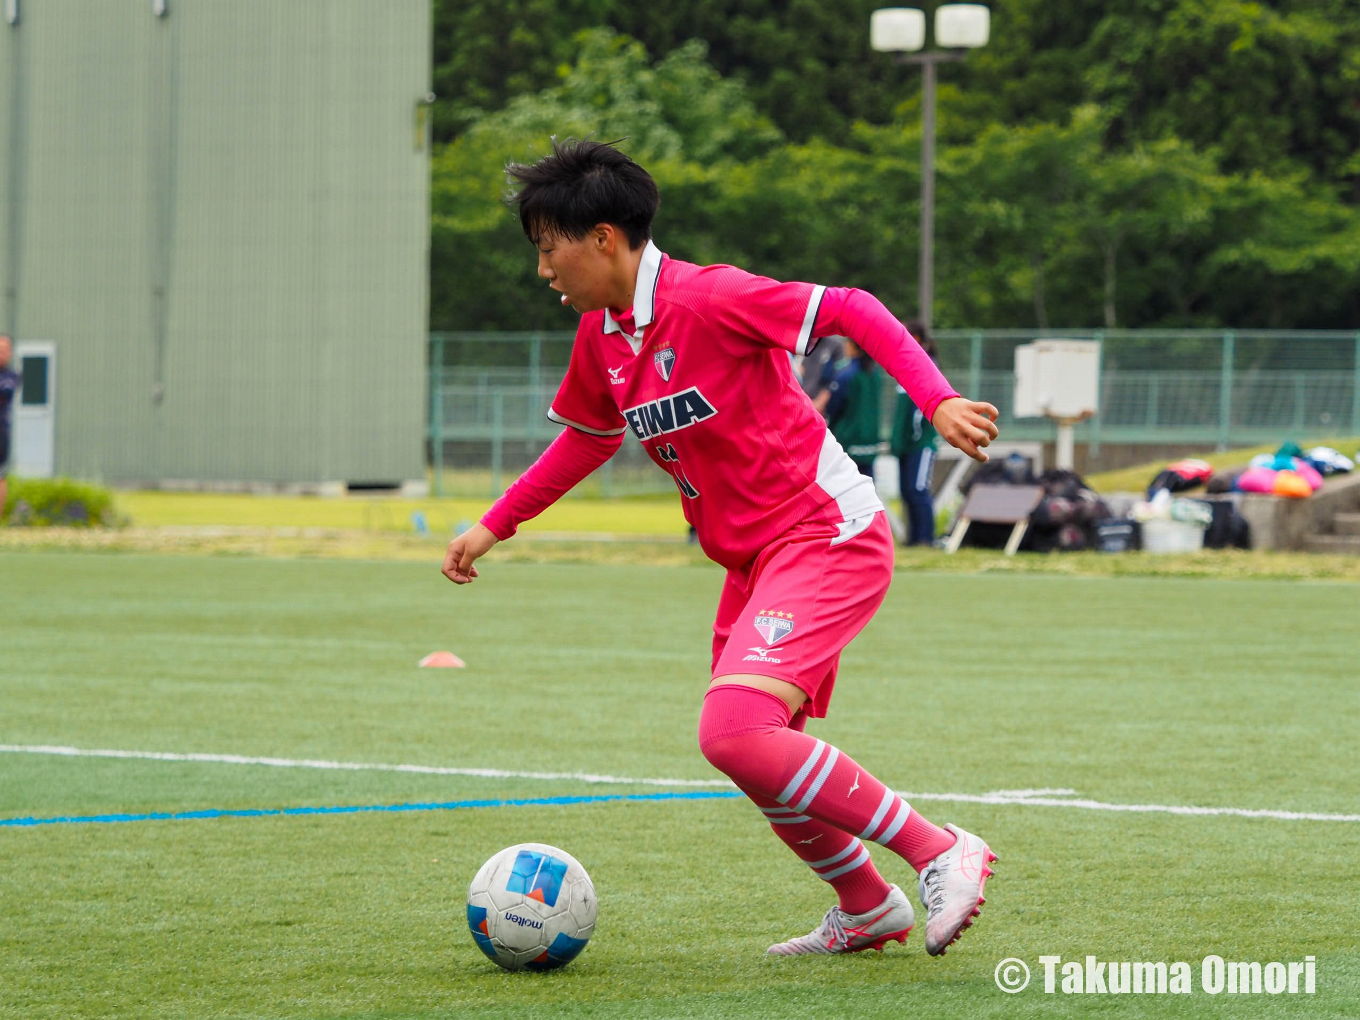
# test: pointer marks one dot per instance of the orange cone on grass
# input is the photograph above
(442, 660)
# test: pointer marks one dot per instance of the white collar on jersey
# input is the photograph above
(644, 296)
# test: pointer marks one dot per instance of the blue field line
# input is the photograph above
(448, 805)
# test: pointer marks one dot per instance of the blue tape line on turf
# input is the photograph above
(448, 805)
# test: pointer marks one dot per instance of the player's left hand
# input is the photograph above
(463, 550)
(967, 425)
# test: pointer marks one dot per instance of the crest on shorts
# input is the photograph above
(774, 626)
(664, 360)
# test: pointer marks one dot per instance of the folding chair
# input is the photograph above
(997, 504)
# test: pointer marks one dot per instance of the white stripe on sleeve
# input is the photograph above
(809, 320)
(553, 416)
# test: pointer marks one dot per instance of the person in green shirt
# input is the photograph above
(852, 409)
(914, 442)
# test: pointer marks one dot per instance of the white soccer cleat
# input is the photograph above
(951, 889)
(840, 932)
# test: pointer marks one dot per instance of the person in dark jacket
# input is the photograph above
(852, 408)
(914, 442)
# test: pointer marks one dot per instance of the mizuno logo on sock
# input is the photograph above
(856, 786)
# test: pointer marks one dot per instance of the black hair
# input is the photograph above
(581, 184)
(921, 332)
(863, 362)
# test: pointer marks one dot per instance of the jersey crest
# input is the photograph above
(774, 626)
(664, 360)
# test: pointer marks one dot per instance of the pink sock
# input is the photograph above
(745, 734)
(836, 857)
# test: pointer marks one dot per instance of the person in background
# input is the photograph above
(852, 406)
(9, 386)
(817, 369)
(913, 444)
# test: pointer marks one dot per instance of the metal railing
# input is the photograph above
(488, 393)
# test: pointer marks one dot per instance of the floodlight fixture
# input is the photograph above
(962, 26)
(897, 29)
(902, 32)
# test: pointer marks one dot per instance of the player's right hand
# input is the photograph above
(967, 425)
(463, 550)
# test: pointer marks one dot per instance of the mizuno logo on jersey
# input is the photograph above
(669, 414)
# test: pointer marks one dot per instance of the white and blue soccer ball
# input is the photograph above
(531, 907)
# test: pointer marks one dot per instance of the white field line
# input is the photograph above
(1061, 797)
(352, 766)
(1008, 797)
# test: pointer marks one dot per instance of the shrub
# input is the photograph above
(59, 502)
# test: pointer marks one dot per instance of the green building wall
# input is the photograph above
(220, 217)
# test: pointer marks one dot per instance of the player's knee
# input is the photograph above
(733, 722)
(714, 739)
(723, 755)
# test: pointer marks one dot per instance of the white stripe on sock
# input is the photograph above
(899, 820)
(888, 798)
(817, 783)
(850, 848)
(857, 862)
(790, 820)
(778, 811)
(802, 774)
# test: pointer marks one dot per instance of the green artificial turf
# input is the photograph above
(1126, 690)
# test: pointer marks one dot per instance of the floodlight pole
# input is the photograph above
(928, 61)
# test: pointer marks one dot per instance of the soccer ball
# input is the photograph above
(531, 907)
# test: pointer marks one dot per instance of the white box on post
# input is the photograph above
(1058, 379)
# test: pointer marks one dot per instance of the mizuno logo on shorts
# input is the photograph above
(669, 414)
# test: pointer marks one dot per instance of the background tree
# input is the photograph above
(1159, 162)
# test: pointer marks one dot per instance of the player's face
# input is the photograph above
(4, 352)
(579, 270)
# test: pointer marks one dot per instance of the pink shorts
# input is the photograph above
(789, 612)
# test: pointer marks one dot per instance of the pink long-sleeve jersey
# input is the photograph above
(699, 372)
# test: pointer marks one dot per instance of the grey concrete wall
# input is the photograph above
(1279, 523)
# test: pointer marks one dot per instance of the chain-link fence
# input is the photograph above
(489, 392)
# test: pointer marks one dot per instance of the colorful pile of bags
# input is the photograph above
(1181, 476)
(1290, 472)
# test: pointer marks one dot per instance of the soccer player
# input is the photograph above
(694, 362)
